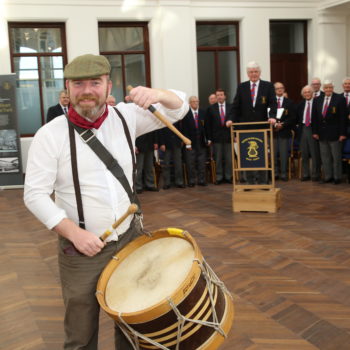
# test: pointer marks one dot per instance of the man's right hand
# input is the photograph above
(84, 241)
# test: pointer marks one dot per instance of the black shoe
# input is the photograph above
(202, 184)
(337, 182)
(152, 189)
(305, 178)
(191, 184)
(166, 187)
(180, 186)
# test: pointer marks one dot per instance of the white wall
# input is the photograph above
(173, 36)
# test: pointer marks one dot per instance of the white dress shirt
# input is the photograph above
(104, 199)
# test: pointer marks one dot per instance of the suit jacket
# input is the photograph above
(288, 118)
(168, 138)
(333, 125)
(53, 112)
(146, 142)
(300, 115)
(242, 106)
(214, 130)
(197, 136)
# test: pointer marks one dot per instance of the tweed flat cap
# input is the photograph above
(87, 66)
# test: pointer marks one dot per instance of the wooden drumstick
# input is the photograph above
(131, 210)
(166, 122)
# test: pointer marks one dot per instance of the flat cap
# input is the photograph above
(86, 67)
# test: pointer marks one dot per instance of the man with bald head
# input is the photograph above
(307, 144)
(316, 87)
(283, 131)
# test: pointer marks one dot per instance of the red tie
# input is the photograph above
(325, 108)
(308, 114)
(278, 103)
(252, 92)
(222, 115)
(196, 119)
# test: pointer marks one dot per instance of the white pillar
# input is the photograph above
(330, 60)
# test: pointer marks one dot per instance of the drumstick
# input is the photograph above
(131, 210)
(166, 122)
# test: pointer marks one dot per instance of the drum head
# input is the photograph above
(150, 274)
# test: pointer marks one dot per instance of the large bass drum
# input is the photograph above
(163, 295)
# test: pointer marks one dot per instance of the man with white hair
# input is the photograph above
(329, 127)
(251, 103)
(308, 145)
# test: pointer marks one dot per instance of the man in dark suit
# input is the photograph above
(196, 153)
(346, 88)
(217, 128)
(171, 145)
(307, 144)
(251, 103)
(316, 87)
(60, 108)
(144, 150)
(283, 131)
(329, 120)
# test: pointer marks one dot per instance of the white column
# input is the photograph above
(173, 49)
(330, 56)
(255, 44)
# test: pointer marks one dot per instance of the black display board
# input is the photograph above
(11, 174)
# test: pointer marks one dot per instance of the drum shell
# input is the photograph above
(192, 299)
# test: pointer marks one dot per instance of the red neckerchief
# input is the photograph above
(77, 119)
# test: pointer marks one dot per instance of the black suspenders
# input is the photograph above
(111, 163)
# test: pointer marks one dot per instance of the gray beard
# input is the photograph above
(90, 114)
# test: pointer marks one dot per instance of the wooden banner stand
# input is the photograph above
(252, 151)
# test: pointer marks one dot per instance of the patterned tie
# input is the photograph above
(325, 108)
(308, 114)
(278, 103)
(252, 92)
(222, 115)
(196, 119)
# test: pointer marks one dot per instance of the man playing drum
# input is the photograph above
(82, 255)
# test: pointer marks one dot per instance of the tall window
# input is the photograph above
(126, 46)
(218, 58)
(38, 56)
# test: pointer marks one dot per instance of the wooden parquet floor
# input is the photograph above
(289, 272)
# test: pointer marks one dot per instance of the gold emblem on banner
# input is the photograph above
(252, 148)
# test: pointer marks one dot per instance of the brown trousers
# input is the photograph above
(79, 276)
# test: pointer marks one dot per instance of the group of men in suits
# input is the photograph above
(320, 123)
(322, 120)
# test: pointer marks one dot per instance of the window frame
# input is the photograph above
(38, 55)
(217, 49)
(145, 51)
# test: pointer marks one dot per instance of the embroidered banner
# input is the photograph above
(252, 150)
